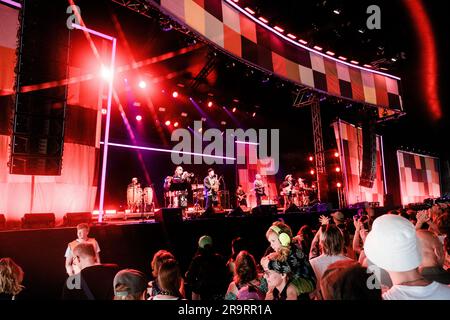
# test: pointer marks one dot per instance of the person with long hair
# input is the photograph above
(245, 274)
(169, 279)
(279, 276)
(11, 277)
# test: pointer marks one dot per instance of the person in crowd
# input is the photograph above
(363, 225)
(362, 228)
(94, 280)
(278, 275)
(245, 275)
(130, 284)
(447, 253)
(11, 277)
(158, 258)
(332, 247)
(340, 221)
(392, 244)
(237, 245)
(207, 275)
(279, 236)
(304, 238)
(82, 237)
(432, 250)
(169, 279)
(348, 280)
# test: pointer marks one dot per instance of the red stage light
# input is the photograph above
(311, 158)
(142, 84)
(338, 185)
(290, 35)
(138, 117)
(302, 41)
(234, 110)
(312, 172)
(104, 111)
(338, 169)
(174, 94)
(175, 124)
(318, 48)
(210, 104)
(279, 29)
(263, 20)
(336, 154)
(167, 123)
(249, 10)
(254, 114)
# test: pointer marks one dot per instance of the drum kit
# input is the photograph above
(140, 200)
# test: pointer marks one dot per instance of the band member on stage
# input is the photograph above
(287, 190)
(241, 196)
(180, 196)
(258, 187)
(211, 187)
(134, 183)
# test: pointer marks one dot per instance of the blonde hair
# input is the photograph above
(11, 276)
(284, 228)
(83, 226)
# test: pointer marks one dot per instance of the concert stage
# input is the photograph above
(131, 244)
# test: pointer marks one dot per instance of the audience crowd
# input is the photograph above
(401, 255)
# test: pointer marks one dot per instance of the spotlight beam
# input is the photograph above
(119, 145)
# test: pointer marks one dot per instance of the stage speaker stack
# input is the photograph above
(38, 119)
(38, 220)
(169, 215)
(369, 161)
(72, 219)
(265, 210)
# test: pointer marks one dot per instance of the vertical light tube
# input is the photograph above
(106, 140)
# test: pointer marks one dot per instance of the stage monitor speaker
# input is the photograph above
(169, 215)
(72, 219)
(369, 161)
(237, 212)
(2, 222)
(292, 209)
(38, 220)
(265, 210)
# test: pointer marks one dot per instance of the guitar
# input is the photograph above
(260, 190)
(241, 197)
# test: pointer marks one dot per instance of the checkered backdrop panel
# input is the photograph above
(231, 30)
(247, 172)
(419, 177)
(349, 139)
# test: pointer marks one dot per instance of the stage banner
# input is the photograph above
(419, 177)
(349, 141)
(248, 171)
(9, 24)
(232, 29)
